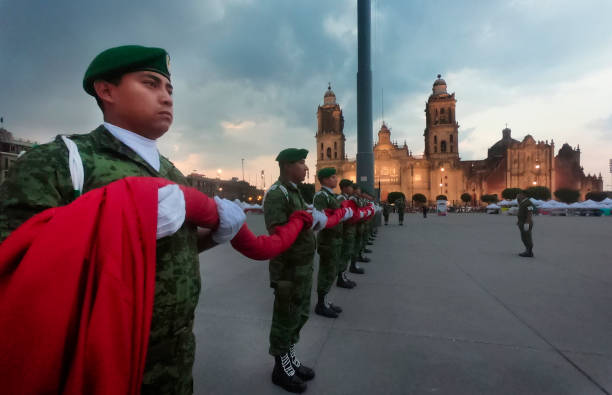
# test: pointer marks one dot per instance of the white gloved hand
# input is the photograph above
(170, 210)
(362, 214)
(319, 220)
(231, 218)
(348, 214)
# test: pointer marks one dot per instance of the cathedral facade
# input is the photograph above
(440, 171)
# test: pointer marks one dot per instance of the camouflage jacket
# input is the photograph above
(325, 199)
(41, 179)
(282, 199)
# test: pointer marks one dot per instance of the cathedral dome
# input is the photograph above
(329, 97)
(439, 86)
(499, 149)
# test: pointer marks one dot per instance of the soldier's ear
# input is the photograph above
(104, 91)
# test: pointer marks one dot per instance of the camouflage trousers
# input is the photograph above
(169, 363)
(329, 264)
(526, 238)
(348, 247)
(401, 216)
(291, 307)
(358, 247)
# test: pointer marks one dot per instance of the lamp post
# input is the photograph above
(441, 182)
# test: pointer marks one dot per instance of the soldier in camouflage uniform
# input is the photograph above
(525, 223)
(329, 243)
(132, 87)
(368, 234)
(386, 210)
(290, 273)
(348, 239)
(359, 229)
(400, 204)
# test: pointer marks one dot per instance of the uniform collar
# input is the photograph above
(144, 147)
(331, 191)
(106, 141)
(288, 184)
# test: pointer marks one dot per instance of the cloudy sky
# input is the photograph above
(248, 75)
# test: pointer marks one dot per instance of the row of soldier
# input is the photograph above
(291, 274)
(122, 180)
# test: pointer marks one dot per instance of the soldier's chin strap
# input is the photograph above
(75, 164)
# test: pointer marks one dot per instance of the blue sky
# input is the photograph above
(249, 75)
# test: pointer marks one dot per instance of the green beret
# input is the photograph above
(326, 172)
(126, 59)
(292, 155)
(346, 183)
(356, 186)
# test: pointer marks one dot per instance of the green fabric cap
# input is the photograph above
(292, 155)
(326, 172)
(126, 59)
(346, 183)
(355, 186)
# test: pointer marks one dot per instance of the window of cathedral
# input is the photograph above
(441, 111)
(451, 138)
(328, 153)
(435, 139)
(335, 145)
(335, 153)
(321, 146)
(435, 149)
(443, 146)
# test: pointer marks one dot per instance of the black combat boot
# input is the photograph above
(284, 375)
(370, 243)
(367, 250)
(335, 307)
(344, 282)
(356, 269)
(363, 259)
(303, 372)
(527, 254)
(322, 308)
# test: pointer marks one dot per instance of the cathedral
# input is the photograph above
(440, 171)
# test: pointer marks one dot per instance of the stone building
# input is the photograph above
(440, 171)
(10, 148)
(228, 189)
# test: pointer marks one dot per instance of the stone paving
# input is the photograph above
(445, 307)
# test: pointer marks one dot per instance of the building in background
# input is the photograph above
(10, 148)
(228, 189)
(440, 171)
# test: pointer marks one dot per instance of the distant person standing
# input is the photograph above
(424, 208)
(386, 208)
(401, 208)
(525, 223)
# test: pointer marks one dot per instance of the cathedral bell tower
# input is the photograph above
(441, 131)
(330, 131)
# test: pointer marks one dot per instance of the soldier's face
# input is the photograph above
(330, 182)
(142, 103)
(296, 171)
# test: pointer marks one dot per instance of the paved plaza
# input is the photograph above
(445, 307)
